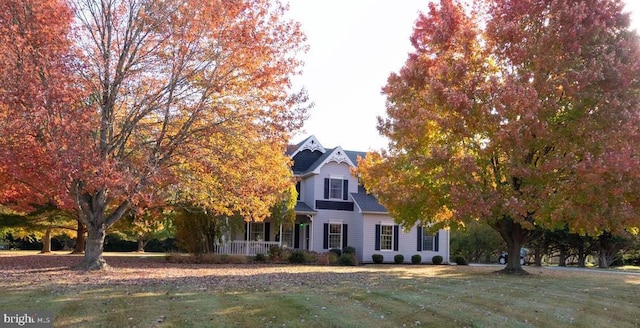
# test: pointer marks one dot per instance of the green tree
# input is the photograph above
(476, 242)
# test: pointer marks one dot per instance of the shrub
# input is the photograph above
(260, 257)
(297, 257)
(460, 260)
(285, 253)
(347, 259)
(323, 259)
(237, 259)
(275, 253)
(349, 250)
(437, 259)
(310, 257)
(398, 259)
(212, 258)
(179, 258)
(377, 258)
(337, 251)
(329, 258)
(416, 259)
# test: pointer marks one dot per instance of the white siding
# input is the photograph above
(407, 245)
(334, 169)
(361, 227)
(330, 216)
(307, 194)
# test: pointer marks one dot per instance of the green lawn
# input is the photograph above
(147, 292)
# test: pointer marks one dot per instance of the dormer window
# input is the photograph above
(335, 188)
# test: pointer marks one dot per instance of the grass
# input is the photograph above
(181, 295)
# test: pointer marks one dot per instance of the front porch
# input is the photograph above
(259, 237)
(245, 247)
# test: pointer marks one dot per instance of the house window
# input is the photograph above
(256, 231)
(428, 241)
(335, 236)
(386, 237)
(287, 235)
(298, 188)
(335, 188)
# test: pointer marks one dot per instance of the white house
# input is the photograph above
(334, 211)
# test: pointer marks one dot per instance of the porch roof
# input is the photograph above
(303, 208)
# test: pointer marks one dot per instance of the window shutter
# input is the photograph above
(345, 243)
(325, 239)
(326, 189)
(298, 189)
(246, 231)
(377, 237)
(345, 189)
(267, 233)
(396, 234)
(296, 234)
(419, 239)
(436, 241)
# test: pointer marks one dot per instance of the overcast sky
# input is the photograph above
(354, 46)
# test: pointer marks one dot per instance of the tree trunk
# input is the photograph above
(515, 236)
(562, 256)
(603, 260)
(582, 257)
(607, 250)
(94, 208)
(93, 250)
(141, 243)
(46, 242)
(537, 256)
(80, 239)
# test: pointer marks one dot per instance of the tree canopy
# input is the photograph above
(520, 114)
(109, 105)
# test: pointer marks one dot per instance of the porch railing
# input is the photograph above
(243, 247)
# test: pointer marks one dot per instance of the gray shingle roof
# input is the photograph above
(302, 207)
(367, 202)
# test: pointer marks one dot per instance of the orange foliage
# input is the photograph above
(139, 101)
(523, 112)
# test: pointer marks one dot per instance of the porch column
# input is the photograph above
(246, 248)
(310, 247)
(280, 234)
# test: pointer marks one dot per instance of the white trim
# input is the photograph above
(341, 234)
(392, 236)
(341, 195)
(312, 144)
(338, 155)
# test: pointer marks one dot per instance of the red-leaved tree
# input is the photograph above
(111, 104)
(520, 114)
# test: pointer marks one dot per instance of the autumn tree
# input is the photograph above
(520, 114)
(144, 225)
(189, 98)
(43, 223)
(38, 108)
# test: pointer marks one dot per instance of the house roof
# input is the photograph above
(303, 208)
(336, 154)
(367, 203)
(308, 155)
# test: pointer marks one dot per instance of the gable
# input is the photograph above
(336, 155)
(303, 160)
(311, 143)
